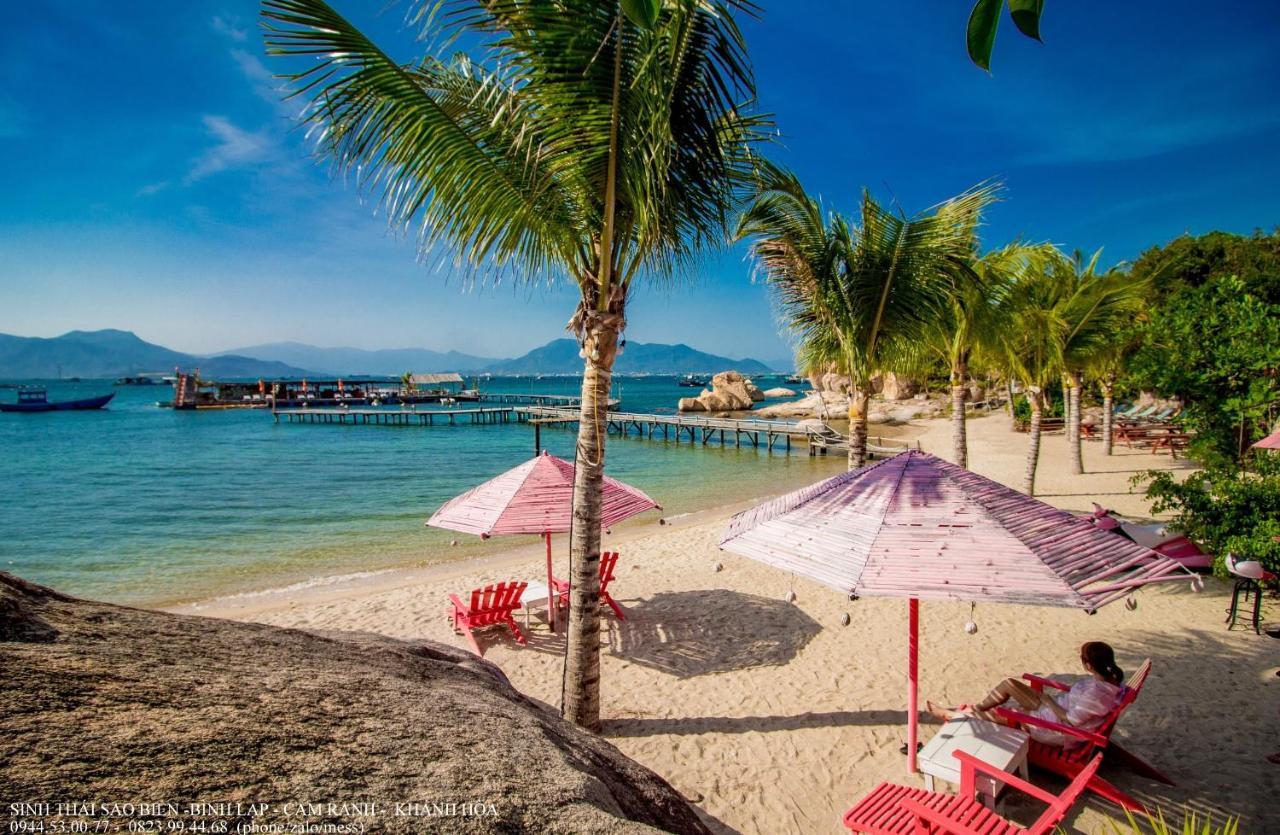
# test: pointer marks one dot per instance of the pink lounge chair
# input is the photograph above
(490, 606)
(608, 561)
(901, 810)
(1071, 762)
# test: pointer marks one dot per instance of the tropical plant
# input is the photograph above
(984, 19)
(406, 382)
(603, 143)
(1192, 824)
(861, 297)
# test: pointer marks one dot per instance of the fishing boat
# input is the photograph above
(693, 381)
(37, 400)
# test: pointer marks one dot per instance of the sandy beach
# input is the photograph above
(772, 717)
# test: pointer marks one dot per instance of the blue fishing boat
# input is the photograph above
(37, 400)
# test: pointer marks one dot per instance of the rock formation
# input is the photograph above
(775, 394)
(730, 392)
(103, 703)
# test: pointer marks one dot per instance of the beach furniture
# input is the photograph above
(891, 809)
(1250, 575)
(1086, 746)
(915, 526)
(535, 498)
(1000, 746)
(492, 605)
(608, 561)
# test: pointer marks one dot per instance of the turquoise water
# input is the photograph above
(146, 505)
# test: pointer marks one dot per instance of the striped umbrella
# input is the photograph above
(534, 498)
(1272, 441)
(918, 527)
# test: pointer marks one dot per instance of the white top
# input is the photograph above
(1087, 703)
(534, 592)
(998, 745)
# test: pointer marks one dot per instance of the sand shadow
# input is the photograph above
(695, 633)
(749, 724)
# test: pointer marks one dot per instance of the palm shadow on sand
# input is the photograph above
(695, 633)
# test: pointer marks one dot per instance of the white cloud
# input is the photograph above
(236, 148)
(229, 28)
(153, 188)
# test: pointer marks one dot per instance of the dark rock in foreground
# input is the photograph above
(107, 704)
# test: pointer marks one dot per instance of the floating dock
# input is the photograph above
(397, 417)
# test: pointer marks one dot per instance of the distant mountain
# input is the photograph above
(116, 353)
(392, 361)
(560, 356)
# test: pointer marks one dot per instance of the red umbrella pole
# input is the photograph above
(913, 654)
(553, 599)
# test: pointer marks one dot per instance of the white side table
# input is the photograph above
(998, 745)
(535, 594)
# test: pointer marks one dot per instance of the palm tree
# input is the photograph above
(860, 298)
(581, 144)
(1097, 309)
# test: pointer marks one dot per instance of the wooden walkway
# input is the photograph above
(397, 417)
(769, 434)
(555, 400)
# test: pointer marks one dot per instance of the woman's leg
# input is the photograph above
(1011, 688)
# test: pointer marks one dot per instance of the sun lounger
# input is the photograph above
(891, 809)
(608, 561)
(1089, 745)
(492, 605)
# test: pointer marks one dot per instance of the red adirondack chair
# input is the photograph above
(891, 809)
(490, 606)
(608, 561)
(1070, 762)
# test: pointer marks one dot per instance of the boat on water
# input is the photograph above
(37, 400)
(795, 379)
(694, 381)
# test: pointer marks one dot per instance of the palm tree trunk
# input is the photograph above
(1008, 403)
(1033, 449)
(959, 441)
(1108, 417)
(582, 666)
(1073, 425)
(858, 398)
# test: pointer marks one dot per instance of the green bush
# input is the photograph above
(1224, 508)
(1022, 407)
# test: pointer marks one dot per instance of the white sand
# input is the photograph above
(773, 718)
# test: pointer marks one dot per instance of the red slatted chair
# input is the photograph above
(490, 606)
(900, 810)
(608, 561)
(1069, 762)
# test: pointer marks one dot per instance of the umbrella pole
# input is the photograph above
(913, 653)
(553, 599)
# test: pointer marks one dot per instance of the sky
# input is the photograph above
(152, 179)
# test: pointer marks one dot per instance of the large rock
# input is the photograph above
(730, 392)
(103, 703)
(898, 388)
(778, 393)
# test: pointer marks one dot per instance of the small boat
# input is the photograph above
(794, 379)
(37, 400)
(693, 381)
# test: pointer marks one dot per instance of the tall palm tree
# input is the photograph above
(582, 142)
(860, 297)
(1098, 309)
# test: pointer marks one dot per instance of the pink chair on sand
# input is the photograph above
(608, 561)
(492, 605)
(891, 809)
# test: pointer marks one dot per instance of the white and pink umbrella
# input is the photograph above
(918, 527)
(534, 498)
(1272, 441)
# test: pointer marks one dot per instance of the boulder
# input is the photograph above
(119, 704)
(730, 392)
(778, 393)
(898, 388)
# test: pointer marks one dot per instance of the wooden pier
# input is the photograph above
(767, 434)
(398, 417)
(553, 400)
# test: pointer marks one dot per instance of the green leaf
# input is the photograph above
(1026, 16)
(643, 13)
(980, 36)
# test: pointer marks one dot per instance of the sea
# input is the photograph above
(145, 505)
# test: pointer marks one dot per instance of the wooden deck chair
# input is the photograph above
(1069, 762)
(608, 561)
(492, 605)
(901, 810)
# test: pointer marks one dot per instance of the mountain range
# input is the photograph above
(117, 353)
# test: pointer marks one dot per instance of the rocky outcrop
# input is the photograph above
(102, 702)
(778, 393)
(894, 387)
(730, 392)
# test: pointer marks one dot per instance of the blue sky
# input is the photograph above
(152, 180)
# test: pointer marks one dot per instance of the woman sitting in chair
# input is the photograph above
(1084, 706)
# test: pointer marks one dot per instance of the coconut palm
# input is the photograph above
(860, 298)
(577, 142)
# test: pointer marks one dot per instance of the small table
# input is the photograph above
(535, 593)
(998, 745)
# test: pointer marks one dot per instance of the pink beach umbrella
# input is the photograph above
(1272, 441)
(534, 498)
(918, 527)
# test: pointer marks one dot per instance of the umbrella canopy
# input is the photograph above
(534, 498)
(1272, 441)
(918, 527)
